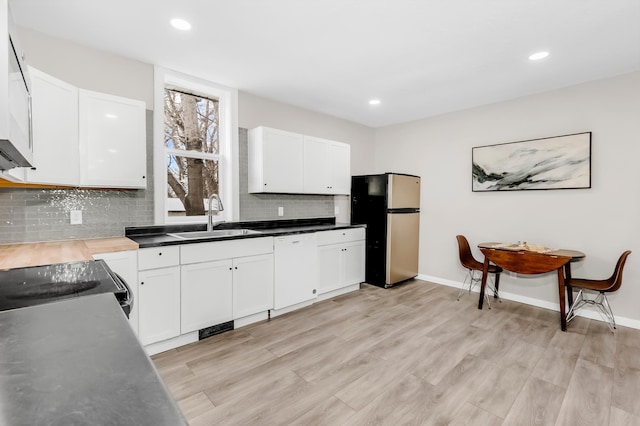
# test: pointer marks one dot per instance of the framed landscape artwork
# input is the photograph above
(561, 162)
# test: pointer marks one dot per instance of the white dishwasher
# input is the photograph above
(295, 269)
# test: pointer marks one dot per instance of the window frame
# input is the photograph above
(228, 161)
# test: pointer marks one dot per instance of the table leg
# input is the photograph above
(485, 273)
(561, 296)
(567, 278)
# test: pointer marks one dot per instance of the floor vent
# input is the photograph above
(215, 329)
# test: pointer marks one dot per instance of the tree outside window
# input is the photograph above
(192, 145)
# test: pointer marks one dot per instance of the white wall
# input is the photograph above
(89, 68)
(602, 221)
(254, 111)
(105, 72)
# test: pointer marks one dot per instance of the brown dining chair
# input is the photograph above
(474, 270)
(602, 287)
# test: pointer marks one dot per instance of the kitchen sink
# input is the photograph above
(216, 233)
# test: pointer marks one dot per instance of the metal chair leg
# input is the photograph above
(600, 302)
(475, 278)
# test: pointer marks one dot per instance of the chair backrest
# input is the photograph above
(466, 257)
(615, 280)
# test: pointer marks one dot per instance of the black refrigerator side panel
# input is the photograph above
(369, 207)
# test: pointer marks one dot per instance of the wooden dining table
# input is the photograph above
(522, 259)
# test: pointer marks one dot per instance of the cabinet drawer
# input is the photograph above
(158, 257)
(217, 250)
(340, 236)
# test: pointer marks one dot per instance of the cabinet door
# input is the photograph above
(112, 141)
(339, 157)
(295, 270)
(353, 255)
(207, 294)
(317, 168)
(275, 161)
(252, 285)
(55, 131)
(329, 262)
(125, 264)
(327, 166)
(159, 303)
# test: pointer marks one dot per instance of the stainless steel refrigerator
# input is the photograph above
(389, 204)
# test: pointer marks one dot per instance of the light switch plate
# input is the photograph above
(75, 216)
(280, 211)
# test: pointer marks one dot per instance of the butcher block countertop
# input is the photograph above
(50, 252)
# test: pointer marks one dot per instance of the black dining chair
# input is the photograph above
(474, 270)
(601, 287)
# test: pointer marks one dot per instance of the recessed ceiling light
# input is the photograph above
(374, 102)
(538, 55)
(180, 24)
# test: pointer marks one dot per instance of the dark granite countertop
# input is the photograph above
(77, 362)
(156, 236)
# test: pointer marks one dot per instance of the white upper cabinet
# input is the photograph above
(327, 167)
(287, 162)
(84, 138)
(55, 131)
(275, 161)
(112, 141)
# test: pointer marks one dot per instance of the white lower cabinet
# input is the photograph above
(159, 294)
(159, 304)
(225, 280)
(224, 290)
(125, 264)
(206, 295)
(252, 285)
(341, 259)
(185, 288)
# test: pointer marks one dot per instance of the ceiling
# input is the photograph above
(419, 57)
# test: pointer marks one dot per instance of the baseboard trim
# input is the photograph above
(586, 312)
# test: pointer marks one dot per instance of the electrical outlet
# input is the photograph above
(75, 216)
(336, 210)
(280, 211)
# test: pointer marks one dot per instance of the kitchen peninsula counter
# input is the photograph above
(78, 362)
(51, 252)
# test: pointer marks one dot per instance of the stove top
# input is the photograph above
(22, 287)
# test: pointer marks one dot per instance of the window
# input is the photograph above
(195, 154)
(192, 151)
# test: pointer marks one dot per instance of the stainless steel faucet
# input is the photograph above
(219, 209)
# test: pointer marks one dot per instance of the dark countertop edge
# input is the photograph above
(138, 231)
(45, 346)
(162, 239)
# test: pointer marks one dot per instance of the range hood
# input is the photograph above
(11, 157)
(16, 144)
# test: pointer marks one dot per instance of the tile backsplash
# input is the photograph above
(29, 215)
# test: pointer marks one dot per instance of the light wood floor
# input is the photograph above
(410, 355)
